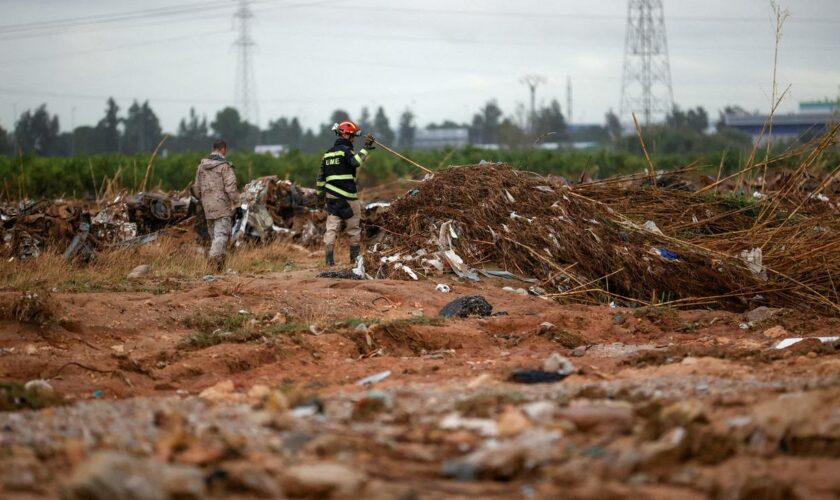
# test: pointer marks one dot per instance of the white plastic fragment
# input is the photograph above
(443, 288)
(410, 272)
(359, 269)
(753, 258)
(376, 377)
(652, 227)
(795, 340)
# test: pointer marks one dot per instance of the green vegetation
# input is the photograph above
(81, 177)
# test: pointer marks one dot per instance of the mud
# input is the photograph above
(249, 378)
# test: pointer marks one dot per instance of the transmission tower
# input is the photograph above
(568, 100)
(646, 82)
(245, 88)
(532, 81)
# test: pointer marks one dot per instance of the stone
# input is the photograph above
(539, 411)
(598, 416)
(512, 422)
(776, 332)
(111, 475)
(243, 476)
(222, 391)
(558, 364)
(139, 271)
(507, 459)
(321, 480)
(685, 412)
(40, 388)
(666, 451)
(578, 352)
(761, 313)
(545, 327)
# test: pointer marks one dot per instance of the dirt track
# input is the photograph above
(663, 404)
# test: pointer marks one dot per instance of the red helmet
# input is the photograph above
(346, 127)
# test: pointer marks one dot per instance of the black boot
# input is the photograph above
(328, 255)
(354, 252)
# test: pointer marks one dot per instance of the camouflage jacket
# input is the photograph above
(215, 186)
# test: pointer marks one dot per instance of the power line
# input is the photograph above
(573, 16)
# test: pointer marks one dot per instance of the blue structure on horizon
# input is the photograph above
(813, 119)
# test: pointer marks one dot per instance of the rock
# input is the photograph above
(598, 416)
(760, 314)
(483, 426)
(666, 451)
(540, 411)
(371, 405)
(512, 422)
(545, 327)
(322, 480)
(559, 364)
(109, 475)
(40, 388)
(685, 412)
(264, 397)
(470, 305)
(578, 351)
(506, 459)
(279, 319)
(222, 391)
(243, 476)
(518, 291)
(776, 332)
(802, 423)
(139, 271)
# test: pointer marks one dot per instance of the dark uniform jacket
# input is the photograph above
(338, 170)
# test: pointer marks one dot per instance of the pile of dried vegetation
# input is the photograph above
(620, 240)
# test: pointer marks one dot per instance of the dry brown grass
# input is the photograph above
(169, 258)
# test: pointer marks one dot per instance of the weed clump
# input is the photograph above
(32, 307)
(15, 396)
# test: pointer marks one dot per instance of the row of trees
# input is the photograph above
(139, 130)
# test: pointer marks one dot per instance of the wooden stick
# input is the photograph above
(651, 170)
(410, 162)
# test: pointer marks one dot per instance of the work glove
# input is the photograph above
(369, 140)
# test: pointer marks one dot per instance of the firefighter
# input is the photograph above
(215, 187)
(337, 185)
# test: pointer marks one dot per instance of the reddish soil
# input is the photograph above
(126, 345)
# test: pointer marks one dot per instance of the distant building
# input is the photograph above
(275, 150)
(813, 118)
(441, 138)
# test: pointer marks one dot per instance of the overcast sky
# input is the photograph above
(440, 58)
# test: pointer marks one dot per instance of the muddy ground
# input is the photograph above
(246, 386)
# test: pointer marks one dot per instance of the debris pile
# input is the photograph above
(595, 242)
(271, 209)
(79, 230)
(275, 208)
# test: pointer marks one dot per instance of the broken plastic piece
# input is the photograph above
(795, 340)
(376, 377)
